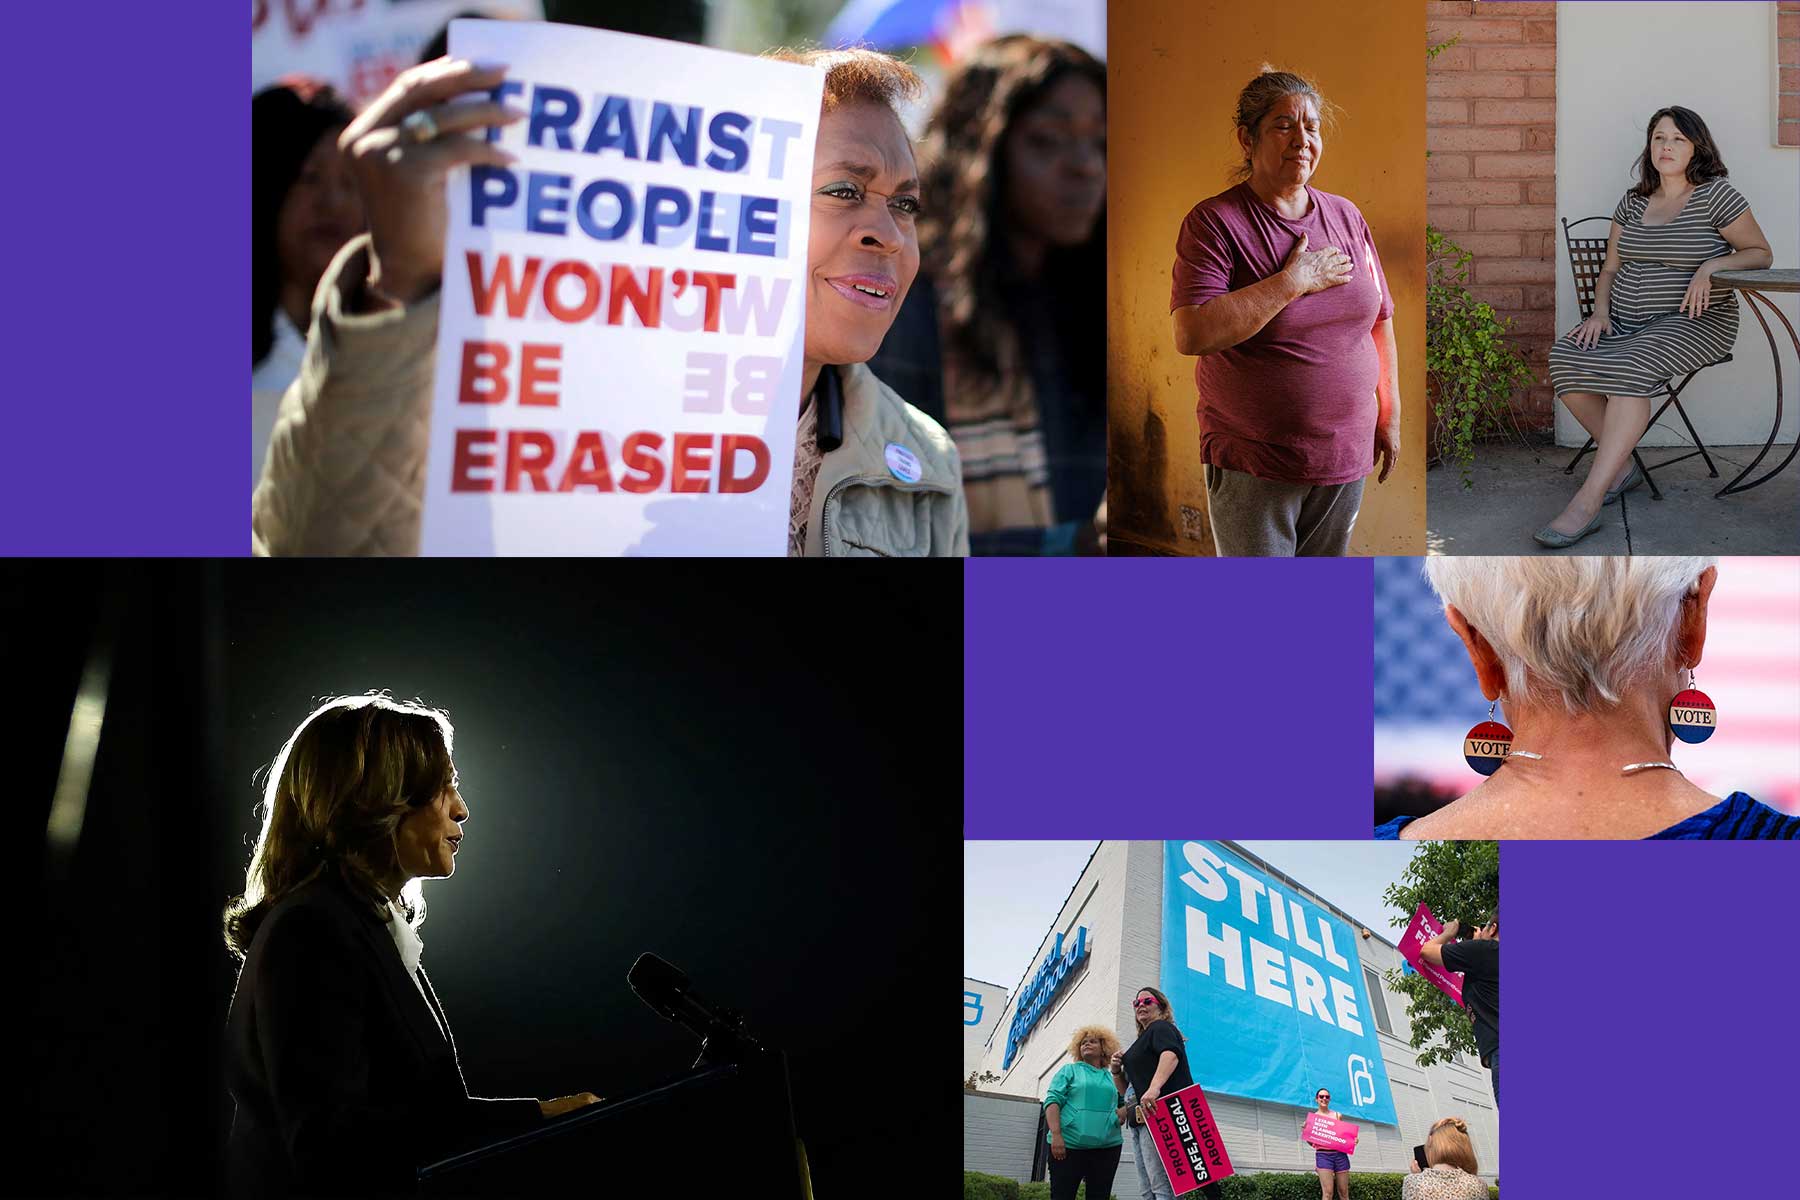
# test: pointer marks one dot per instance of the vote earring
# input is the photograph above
(1486, 746)
(1691, 713)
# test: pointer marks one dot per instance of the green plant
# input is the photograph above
(977, 1186)
(1471, 370)
(1455, 879)
(1298, 1185)
(1041, 1191)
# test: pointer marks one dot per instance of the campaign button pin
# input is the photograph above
(1692, 716)
(902, 463)
(1485, 747)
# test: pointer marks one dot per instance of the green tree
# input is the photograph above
(1455, 880)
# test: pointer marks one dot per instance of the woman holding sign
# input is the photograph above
(1333, 1166)
(346, 473)
(1156, 1064)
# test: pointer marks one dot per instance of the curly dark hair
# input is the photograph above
(1706, 163)
(964, 184)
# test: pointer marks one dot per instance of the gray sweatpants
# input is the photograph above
(1259, 518)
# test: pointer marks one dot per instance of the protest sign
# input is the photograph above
(621, 325)
(1422, 929)
(1278, 976)
(1329, 1133)
(1181, 1124)
(357, 46)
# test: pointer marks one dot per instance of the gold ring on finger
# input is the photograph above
(420, 126)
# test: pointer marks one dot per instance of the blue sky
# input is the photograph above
(1012, 891)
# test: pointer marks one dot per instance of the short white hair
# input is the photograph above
(1582, 630)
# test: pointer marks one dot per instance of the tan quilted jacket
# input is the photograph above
(345, 472)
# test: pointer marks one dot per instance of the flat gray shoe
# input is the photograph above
(1632, 480)
(1559, 541)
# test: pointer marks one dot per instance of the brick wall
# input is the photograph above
(1490, 124)
(1787, 55)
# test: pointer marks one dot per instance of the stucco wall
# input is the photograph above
(1176, 68)
(1720, 61)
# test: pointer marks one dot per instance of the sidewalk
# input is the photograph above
(1519, 489)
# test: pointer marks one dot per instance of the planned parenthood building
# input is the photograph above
(1277, 992)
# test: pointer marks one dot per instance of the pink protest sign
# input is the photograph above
(1192, 1152)
(1329, 1133)
(1424, 927)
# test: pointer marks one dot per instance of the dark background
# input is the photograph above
(755, 779)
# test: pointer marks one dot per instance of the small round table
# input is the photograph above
(1752, 284)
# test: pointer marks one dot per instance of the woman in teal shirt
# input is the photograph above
(1082, 1110)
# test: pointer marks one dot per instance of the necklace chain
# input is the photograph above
(1627, 769)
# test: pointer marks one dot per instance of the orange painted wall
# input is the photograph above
(1173, 74)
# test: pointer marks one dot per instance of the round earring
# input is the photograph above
(1691, 713)
(1485, 746)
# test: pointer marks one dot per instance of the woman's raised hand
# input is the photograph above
(1587, 334)
(563, 1104)
(1316, 270)
(401, 172)
(1117, 1062)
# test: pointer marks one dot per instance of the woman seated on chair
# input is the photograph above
(1657, 313)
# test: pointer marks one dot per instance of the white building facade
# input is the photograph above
(1118, 901)
(982, 1005)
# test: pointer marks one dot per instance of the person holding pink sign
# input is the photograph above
(1478, 961)
(1333, 1166)
(1154, 1065)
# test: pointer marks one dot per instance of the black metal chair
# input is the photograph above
(1586, 256)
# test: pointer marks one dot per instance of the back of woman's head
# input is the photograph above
(286, 122)
(334, 797)
(1582, 630)
(1448, 1143)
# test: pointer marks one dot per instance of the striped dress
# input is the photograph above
(1651, 340)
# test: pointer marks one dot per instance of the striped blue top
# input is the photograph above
(1736, 816)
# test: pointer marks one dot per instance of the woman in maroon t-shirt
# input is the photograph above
(1279, 291)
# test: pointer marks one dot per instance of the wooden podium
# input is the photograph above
(723, 1125)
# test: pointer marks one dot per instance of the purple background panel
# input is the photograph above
(1101, 698)
(1648, 985)
(128, 273)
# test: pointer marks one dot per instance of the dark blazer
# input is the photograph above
(345, 1079)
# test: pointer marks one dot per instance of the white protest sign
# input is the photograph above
(622, 321)
(357, 46)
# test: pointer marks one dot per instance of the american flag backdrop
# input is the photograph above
(1426, 696)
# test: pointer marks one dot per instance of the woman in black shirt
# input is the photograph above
(1156, 1064)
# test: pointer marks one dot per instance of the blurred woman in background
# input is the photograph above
(1013, 247)
(303, 207)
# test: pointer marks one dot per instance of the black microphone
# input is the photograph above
(665, 989)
